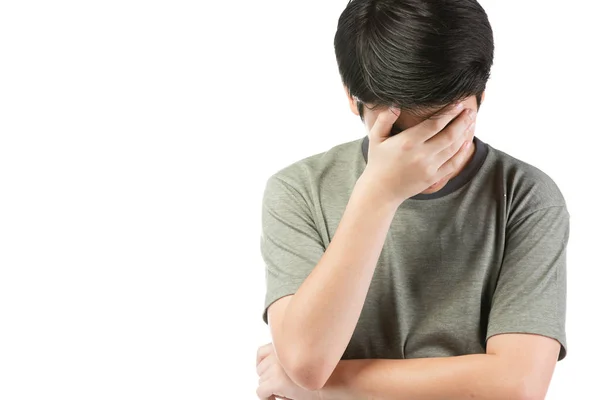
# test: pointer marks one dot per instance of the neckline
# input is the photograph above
(467, 173)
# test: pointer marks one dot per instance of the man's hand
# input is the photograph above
(406, 164)
(274, 382)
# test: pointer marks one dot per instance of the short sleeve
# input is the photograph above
(530, 295)
(290, 242)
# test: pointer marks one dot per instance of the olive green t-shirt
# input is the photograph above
(485, 255)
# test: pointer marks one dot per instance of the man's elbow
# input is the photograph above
(309, 378)
(306, 372)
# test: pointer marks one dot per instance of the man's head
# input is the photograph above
(418, 55)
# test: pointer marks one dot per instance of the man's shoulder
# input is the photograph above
(527, 187)
(317, 167)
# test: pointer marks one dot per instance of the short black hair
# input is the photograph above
(414, 54)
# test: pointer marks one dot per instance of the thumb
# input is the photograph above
(382, 127)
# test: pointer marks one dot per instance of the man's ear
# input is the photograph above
(352, 101)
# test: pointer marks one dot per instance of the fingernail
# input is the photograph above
(395, 111)
(459, 106)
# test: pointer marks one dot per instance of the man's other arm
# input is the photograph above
(516, 367)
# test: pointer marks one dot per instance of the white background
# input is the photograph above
(135, 141)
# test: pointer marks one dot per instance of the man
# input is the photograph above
(418, 262)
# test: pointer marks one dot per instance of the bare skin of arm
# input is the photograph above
(516, 367)
(312, 328)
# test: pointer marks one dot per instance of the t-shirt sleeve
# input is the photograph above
(290, 242)
(530, 295)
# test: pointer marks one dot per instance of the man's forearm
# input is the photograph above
(477, 376)
(322, 315)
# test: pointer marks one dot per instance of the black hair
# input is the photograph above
(414, 54)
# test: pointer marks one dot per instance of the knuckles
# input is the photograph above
(407, 144)
(430, 171)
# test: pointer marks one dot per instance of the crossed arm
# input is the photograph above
(515, 367)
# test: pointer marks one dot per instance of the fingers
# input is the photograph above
(456, 131)
(383, 125)
(264, 365)
(432, 126)
(263, 351)
(265, 391)
(457, 137)
(452, 164)
(266, 387)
